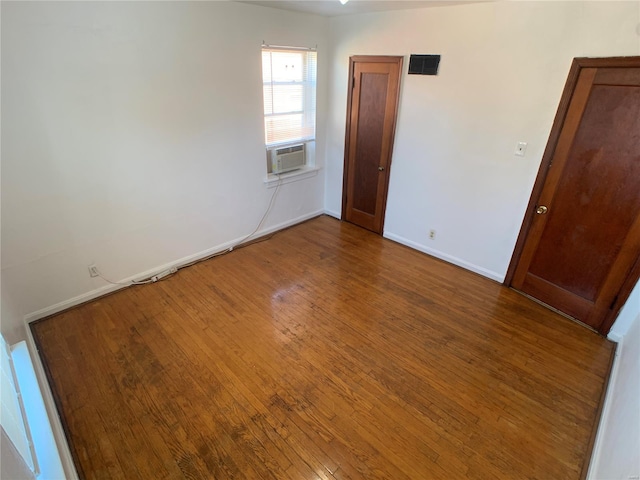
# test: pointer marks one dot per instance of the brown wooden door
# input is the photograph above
(371, 121)
(581, 249)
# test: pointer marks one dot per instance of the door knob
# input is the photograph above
(381, 168)
(541, 210)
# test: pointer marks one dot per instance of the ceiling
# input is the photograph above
(333, 8)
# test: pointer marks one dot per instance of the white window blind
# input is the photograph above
(289, 86)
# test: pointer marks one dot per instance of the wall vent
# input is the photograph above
(424, 64)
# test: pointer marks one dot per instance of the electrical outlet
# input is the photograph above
(93, 270)
(521, 149)
(432, 234)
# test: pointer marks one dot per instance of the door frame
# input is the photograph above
(398, 59)
(576, 66)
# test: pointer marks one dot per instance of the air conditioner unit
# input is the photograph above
(285, 159)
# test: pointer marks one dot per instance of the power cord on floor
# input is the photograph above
(153, 279)
(241, 243)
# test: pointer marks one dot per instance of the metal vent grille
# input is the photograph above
(424, 64)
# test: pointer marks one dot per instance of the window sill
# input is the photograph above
(272, 180)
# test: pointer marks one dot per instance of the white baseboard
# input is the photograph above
(615, 337)
(106, 289)
(446, 257)
(56, 424)
(606, 411)
(333, 213)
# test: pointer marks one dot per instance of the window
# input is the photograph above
(289, 85)
(12, 418)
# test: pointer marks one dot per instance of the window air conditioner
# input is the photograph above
(285, 159)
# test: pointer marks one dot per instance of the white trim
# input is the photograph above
(333, 213)
(615, 337)
(56, 425)
(284, 47)
(98, 292)
(597, 452)
(446, 257)
(272, 180)
(44, 441)
(72, 302)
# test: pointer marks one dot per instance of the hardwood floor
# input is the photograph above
(326, 352)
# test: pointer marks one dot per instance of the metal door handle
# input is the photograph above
(541, 210)
(381, 168)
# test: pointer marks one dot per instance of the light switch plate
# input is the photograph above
(521, 149)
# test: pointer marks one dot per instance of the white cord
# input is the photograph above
(173, 270)
(153, 279)
(266, 213)
(127, 284)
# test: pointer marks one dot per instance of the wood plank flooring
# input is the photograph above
(326, 352)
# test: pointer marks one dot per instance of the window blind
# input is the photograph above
(289, 88)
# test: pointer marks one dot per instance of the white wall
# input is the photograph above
(12, 465)
(502, 72)
(503, 68)
(617, 452)
(627, 315)
(11, 418)
(132, 136)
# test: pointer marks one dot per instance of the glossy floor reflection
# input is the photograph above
(325, 352)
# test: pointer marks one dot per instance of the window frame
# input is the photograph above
(308, 98)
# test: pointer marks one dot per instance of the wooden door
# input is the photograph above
(581, 247)
(371, 121)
